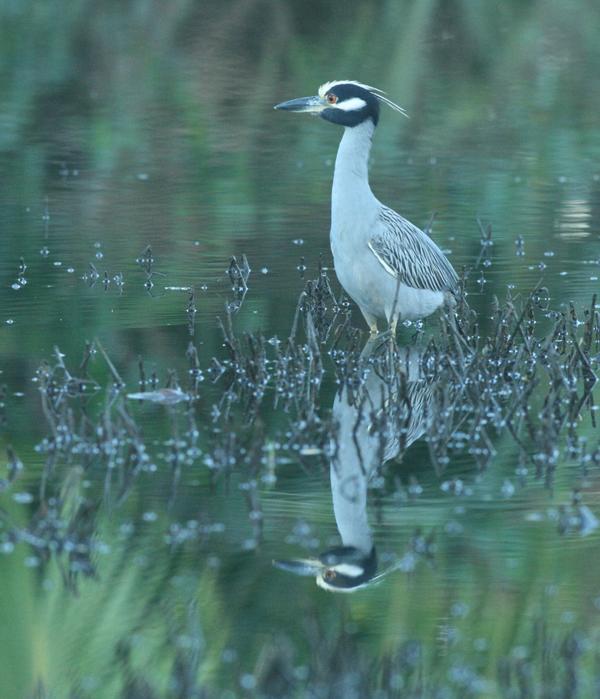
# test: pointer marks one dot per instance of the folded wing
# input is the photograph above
(410, 255)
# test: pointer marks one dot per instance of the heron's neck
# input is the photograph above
(349, 494)
(351, 175)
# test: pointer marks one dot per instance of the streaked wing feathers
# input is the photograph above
(407, 253)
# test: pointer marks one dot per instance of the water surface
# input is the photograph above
(139, 153)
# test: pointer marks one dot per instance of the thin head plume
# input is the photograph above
(380, 94)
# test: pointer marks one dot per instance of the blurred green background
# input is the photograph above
(143, 123)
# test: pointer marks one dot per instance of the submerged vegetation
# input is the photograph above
(521, 382)
(174, 349)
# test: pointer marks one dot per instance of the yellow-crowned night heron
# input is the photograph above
(391, 268)
(364, 442)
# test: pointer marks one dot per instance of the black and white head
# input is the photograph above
(344, 102)
(339, 569)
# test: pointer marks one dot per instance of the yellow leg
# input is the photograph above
(371, 322)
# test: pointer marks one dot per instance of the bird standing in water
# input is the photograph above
(389, 267)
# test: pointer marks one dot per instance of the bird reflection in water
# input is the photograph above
(376, 421)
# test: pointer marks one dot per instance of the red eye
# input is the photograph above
(331, 98)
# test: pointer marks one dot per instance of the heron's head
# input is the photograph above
(339, 569)
(344, 102)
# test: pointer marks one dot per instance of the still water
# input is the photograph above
(139, 154)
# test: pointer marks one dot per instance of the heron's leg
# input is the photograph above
(371, 321)
(457, 332)
(390, 338)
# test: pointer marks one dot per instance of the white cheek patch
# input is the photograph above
(332, 588)
(348, 569)
(351, 105)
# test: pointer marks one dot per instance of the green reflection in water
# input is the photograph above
(135, 124)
